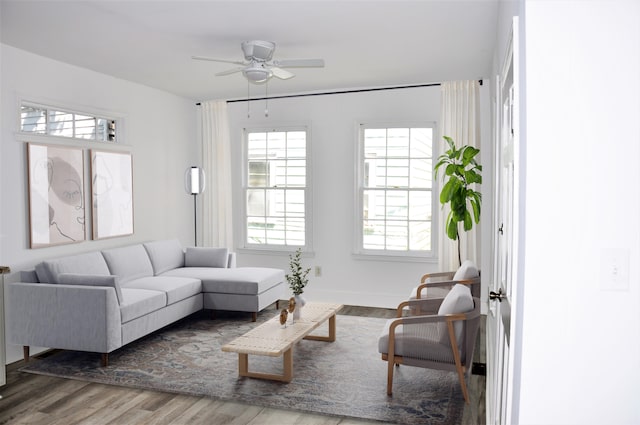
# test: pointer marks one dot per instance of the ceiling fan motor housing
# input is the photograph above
(258, 50)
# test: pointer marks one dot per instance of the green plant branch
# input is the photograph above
(298, 277)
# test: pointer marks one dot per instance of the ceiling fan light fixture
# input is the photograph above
(257, 74)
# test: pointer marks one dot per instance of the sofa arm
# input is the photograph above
(71, 317)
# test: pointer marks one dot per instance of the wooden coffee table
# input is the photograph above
(274, 340)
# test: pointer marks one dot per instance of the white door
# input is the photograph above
(499, 330)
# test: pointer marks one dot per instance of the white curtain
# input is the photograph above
(217, 224)
(460, 120)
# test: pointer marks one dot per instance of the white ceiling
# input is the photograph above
(364, 43)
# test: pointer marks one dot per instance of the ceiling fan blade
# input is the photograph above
(281, 73)
(299, 63)
(204, 58)
(229, 71)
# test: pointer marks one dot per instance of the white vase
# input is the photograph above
(300, 302)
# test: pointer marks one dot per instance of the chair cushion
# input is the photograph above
(92, 263)
(467, 270)
(458, 300)
(175, 288)
(426, 346)
(92, 280)
(129, 262)
(206, 257)
(165, 255)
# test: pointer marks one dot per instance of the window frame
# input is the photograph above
(244, 244)
(110, 119)
(360, 251)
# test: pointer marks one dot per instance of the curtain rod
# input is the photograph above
(286, 96)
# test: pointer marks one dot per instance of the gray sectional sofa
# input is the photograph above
(100, 301)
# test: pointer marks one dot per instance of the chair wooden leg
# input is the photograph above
(463, 384)
(390, 364)
(25, 353)
(456, 358)
(104, 361)
(254, 316)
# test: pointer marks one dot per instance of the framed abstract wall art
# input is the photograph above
(111, 193)
(56, 195)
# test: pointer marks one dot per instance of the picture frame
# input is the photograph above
(56, 191)
(111, 193)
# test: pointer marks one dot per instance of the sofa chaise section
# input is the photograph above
(249, 289)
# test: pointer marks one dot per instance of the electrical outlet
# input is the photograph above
(318, 271)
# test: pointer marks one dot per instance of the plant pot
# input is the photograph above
(300, 302)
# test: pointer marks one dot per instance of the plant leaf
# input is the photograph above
(476, 210)
(448, 190)
(450, 142)
(472, 177)
(452, 228)
(468, 153)
(468, 223)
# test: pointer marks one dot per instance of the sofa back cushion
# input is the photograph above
(165, 255)
(92, 280)
(206, 257)
(90, 263)
(129, 262)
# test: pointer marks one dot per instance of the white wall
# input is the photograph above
(333, 121)
(580, 337)
(160, 131)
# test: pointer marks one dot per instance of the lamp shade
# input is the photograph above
(194, 180)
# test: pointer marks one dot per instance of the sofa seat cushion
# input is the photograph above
(239, 280)
(175, 288)
(138, 302)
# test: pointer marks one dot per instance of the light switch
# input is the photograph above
(614, 269)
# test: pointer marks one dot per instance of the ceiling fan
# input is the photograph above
(258, 66)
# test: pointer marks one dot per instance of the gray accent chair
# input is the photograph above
(437, 285)
(441, 337)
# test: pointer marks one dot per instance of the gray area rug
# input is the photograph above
(344, 378)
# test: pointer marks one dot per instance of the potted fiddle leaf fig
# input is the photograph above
(461, 173)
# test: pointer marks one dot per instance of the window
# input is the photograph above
(54, 122)
(276, 190)
(395, 190)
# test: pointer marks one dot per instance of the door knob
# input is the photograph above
(497, 295)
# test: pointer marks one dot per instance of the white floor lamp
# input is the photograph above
(194, 179)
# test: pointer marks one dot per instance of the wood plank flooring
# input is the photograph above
(36, 399)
